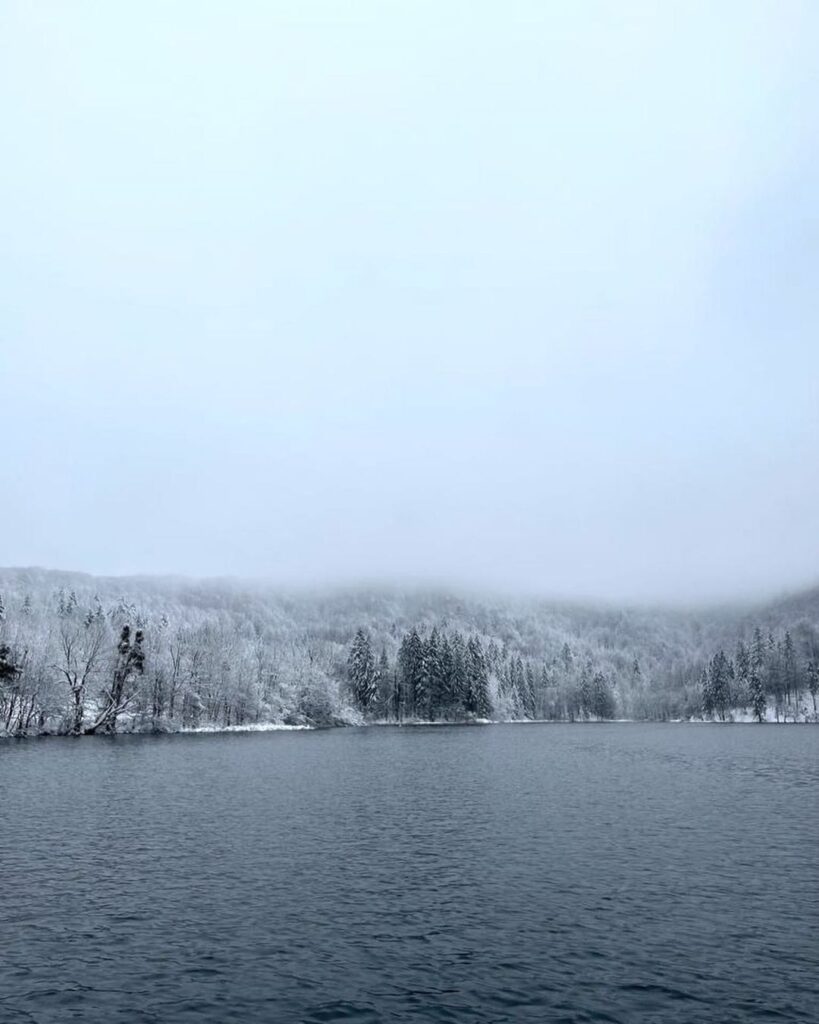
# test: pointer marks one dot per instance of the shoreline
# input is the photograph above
(268, 727)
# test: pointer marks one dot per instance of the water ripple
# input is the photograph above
(629, 874)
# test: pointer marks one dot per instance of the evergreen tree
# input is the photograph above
(757, 695)
(361, 671)
(707, 694)
(412, 672)
(528, 695)
(813, 682)
(459, 682)
(775, 674)
(516, 686)
(790, 672)
(586, 691)
(549, 696)
(758, 654)
(2, 611)
(603, 705)
(720, 673)
(756, 681)
(447, 672)
(478, 680)
(386, 696)
(434, 675)
(742, 668)
(8, 669)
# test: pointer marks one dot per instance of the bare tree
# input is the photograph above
(80, 648)
(122, 691)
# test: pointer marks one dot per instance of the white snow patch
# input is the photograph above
(250, 727)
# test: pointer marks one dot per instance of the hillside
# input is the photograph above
(93, 654)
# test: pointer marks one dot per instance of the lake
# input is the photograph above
(626, 873)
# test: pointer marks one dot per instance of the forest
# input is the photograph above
(83, 655)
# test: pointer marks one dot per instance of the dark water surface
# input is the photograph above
(625, 873)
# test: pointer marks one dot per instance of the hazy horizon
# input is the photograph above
(446, 588)
(516, 302)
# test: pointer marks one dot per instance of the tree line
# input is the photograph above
(767, 674)
(97, 657)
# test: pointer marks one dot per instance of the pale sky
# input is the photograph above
(515, 295)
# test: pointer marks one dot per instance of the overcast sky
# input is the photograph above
(519, 295)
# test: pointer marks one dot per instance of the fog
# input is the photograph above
(515, 296)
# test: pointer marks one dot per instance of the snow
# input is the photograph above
(249, 727)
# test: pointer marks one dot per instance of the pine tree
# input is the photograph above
(757, 657)
(548, 695)
(528, 695)
(361, 671)
(2, 611)
(459, 681)
(720, 672)
(385, 680)
(446, 669)
(790, 673)
(603, 705)
(775, 675)
(586, 691)
(742, 667)
(478, 681)
(756, 682)
(813, 681)
(434, 674)
(412, 673)
(707, 693)
(8, 670)
(757, 695)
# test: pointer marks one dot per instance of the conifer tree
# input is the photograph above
(720, 673)
(528, 695)
(434, 674)
(446, 668)
(757, 695)
(603, 705)
(385, 685)
(813, 681)
(586, 690)
(361, 671)
(756, 682)
(742, 668)
(790, 673)
(479, 703)
(8, 670)
(706, 692)
(412, 673)
(459, 683)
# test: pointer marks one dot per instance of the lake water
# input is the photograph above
(629, 873)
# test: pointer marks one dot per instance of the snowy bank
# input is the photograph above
(249, 727)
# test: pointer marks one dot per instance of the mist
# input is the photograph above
(521, 299)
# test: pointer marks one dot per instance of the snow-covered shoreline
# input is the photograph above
(267, 727)
(249, 727)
